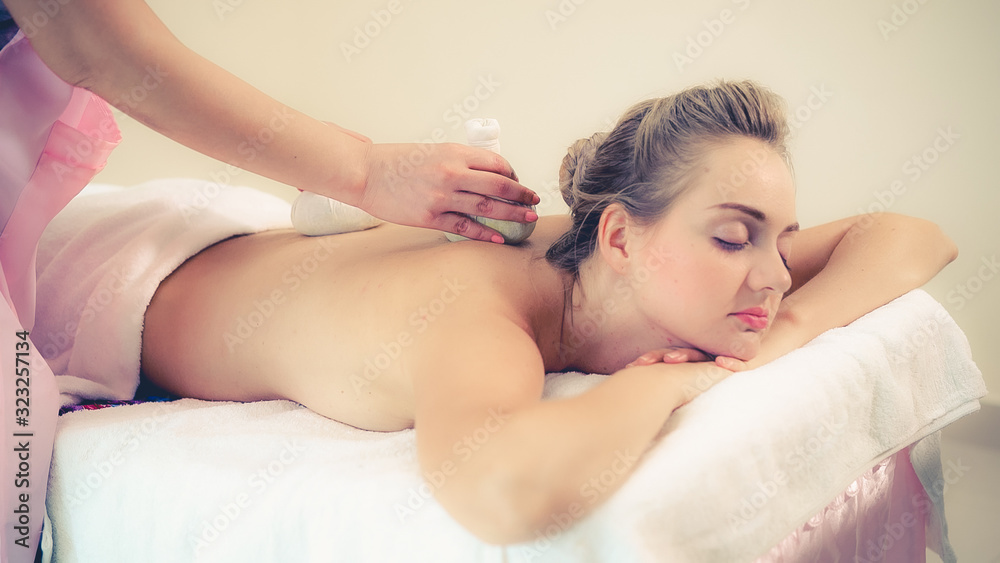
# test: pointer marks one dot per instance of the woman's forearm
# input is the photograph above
(878, 259)
(557, 460)
(126, 55)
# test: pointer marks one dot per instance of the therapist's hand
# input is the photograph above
(111, 48)
(439, 185)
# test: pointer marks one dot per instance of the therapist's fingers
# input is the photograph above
(482, 206)
(468, 228)
(497, 180)
(441, 186)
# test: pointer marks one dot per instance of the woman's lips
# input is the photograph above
(755, 317)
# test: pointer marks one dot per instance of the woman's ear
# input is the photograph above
(614, 232)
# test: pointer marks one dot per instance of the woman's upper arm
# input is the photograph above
(811, 249)
(847, 268)
(469, 375)
(909, 246)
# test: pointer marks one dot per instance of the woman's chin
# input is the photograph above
(743, 348)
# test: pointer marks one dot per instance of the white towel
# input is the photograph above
(272, 481)
(809, 422)
(101, 259)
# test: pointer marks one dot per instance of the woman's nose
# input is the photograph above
(770, 273)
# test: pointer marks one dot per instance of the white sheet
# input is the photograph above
(272, 481)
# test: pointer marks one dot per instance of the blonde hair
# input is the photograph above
(648, 159)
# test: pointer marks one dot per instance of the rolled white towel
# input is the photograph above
(316, 215)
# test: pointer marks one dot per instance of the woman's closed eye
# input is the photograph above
(730, 245)
(732, 236)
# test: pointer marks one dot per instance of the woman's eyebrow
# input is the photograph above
(753, 212)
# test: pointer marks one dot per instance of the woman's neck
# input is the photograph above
(590, 324)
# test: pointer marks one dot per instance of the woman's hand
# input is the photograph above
(689, 379)
(679, 355)
(693, 370)
(440, 185)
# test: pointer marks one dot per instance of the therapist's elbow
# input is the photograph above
(81, 43)
(56, 38)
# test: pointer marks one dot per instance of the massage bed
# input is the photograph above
(830, 453)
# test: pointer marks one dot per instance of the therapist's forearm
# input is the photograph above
(211, 111)
(155, 79)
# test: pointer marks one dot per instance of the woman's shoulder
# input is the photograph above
(506, 264)
(513, 281)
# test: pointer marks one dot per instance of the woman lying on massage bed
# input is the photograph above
(681, 244)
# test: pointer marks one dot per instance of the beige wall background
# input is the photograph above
(894, 101)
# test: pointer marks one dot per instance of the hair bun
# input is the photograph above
(574, 165)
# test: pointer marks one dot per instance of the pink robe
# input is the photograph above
(53, 139)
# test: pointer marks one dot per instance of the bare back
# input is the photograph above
(329, 321)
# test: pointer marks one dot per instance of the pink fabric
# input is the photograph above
(880, 517)
(53, 139)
